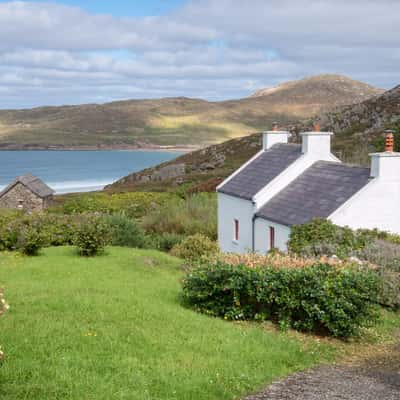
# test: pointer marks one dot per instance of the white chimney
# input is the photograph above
(273, 137)
(386, 165)
(316, 143)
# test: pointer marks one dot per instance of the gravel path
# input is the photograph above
(375, 379)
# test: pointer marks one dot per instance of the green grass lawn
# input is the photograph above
(112, 327)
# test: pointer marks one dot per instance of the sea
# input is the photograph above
(77, 171)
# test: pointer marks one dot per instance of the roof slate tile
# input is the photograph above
(317, 192)
(261, 171)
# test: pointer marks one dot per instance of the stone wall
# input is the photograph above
(21, 197)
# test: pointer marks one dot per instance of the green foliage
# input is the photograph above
(386, 256)
(133, 204)
(92, 235)
(30, 239)
(320, 298)
(195, 247)
(9, 228)
(195, 214)
(125, 232)
(322, 237)
(165, 241)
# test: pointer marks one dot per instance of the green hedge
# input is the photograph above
(382, 249)
(321, 298)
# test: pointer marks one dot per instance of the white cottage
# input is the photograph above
(289, 184)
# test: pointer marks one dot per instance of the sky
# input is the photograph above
(95, 51)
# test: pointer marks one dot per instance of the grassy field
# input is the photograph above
(112, 327)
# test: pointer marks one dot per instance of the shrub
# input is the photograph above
(132, 204)
(195, 247)
(58, 230)
(386, 256)
(30, 240)
(319, 298)
(9, 228)
(195, 214)
(165, 241)
(125, 231)
(92, 235)
(322, 237)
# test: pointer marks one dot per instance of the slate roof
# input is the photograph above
(317, 192)
(262, 170)
(33, 183)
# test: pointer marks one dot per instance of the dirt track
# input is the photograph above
(374, 379)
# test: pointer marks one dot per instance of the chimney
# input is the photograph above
(386, 165)
(389, 141)
(275, 136)
(316, 143)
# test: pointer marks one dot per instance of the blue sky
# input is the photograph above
(74, 52)
(122, 8)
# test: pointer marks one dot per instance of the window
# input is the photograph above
(236, 229)
(271, 237)
(20, 204)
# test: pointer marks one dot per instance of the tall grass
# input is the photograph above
(196, 214)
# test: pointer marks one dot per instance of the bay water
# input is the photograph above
(77, 171)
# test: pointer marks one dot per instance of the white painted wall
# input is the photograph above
(229, 209)
(374, 206)
(274, 137)
(262, 233)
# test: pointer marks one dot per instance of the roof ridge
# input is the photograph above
(342, 164)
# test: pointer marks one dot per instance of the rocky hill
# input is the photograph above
(201, 170)
(175, 121)
(359, 129)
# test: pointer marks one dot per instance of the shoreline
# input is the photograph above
(172, 149)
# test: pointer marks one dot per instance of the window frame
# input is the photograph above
(271, 237)
(235, 230)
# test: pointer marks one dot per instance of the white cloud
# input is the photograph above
(55, 54)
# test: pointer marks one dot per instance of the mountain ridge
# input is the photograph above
(359, 130)
(177, 121)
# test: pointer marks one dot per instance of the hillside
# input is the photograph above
(175, 121)
(338, 88)
(358, 131)
(201, 170)
(359, 128)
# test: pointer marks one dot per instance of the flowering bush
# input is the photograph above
(274, 260)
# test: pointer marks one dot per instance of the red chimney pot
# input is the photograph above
(389, 141)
